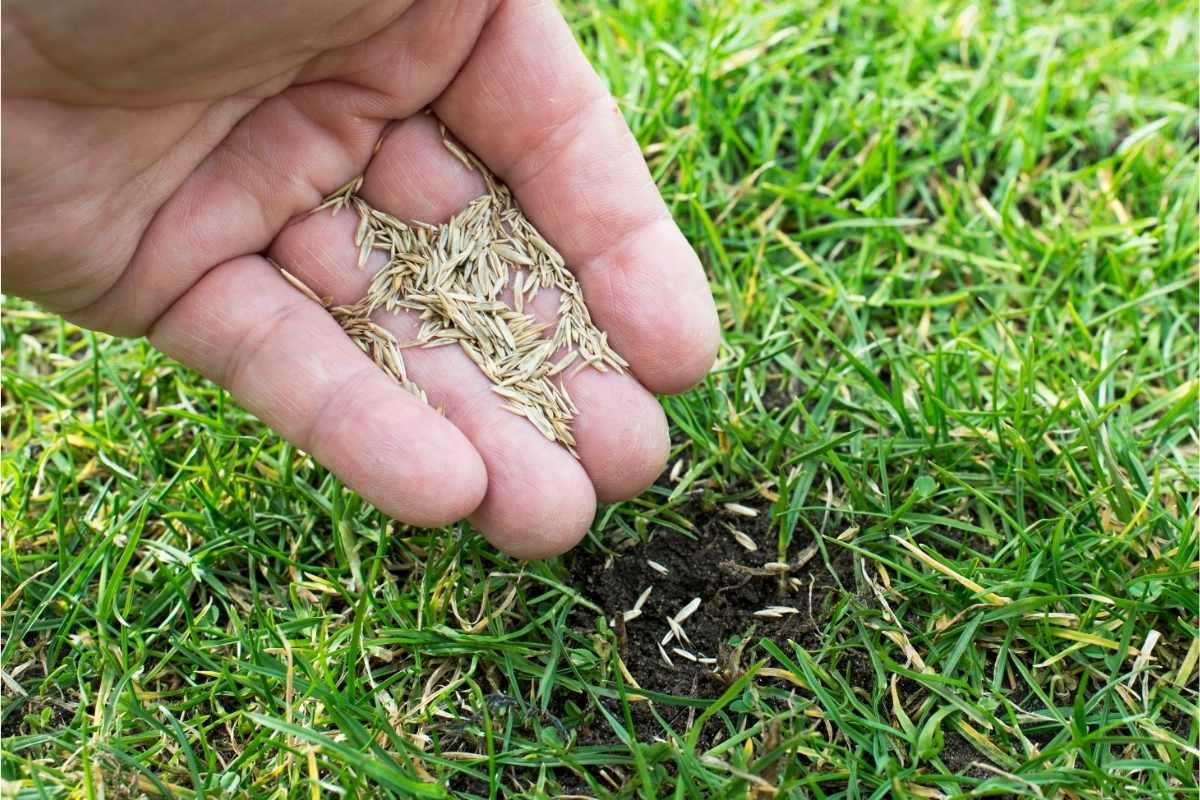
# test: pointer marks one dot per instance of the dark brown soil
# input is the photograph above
(958, 755)
(19, 709)
(731, 582)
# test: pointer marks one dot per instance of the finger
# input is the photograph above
(284, 359)
(542, 120)
(621, 432)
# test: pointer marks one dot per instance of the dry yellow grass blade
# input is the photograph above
(933, 563)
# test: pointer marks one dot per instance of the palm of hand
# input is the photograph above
(150, 212)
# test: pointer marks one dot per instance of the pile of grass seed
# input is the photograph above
(455, 277)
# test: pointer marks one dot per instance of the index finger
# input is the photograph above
(528, 104)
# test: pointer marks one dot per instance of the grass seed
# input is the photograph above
(744, 540)
(666, 658)
(452, 276)
(642, 598)
(687, 610)
(740, 510)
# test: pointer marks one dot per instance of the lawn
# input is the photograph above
(938, 497)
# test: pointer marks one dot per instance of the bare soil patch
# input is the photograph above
(735, 586)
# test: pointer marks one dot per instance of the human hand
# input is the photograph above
(150, 164)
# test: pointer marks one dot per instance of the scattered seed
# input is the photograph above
(676, 471)
(776, 566)
(679, 651)
(804, 556)
(642, 598)
(741, 510)
(776, 612)
(677, 631)
(687, 610)
(706, 660)
(631, 614)
(666, 658)
(657, 567)
(744, 540)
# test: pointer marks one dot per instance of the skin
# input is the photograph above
(151, 165)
